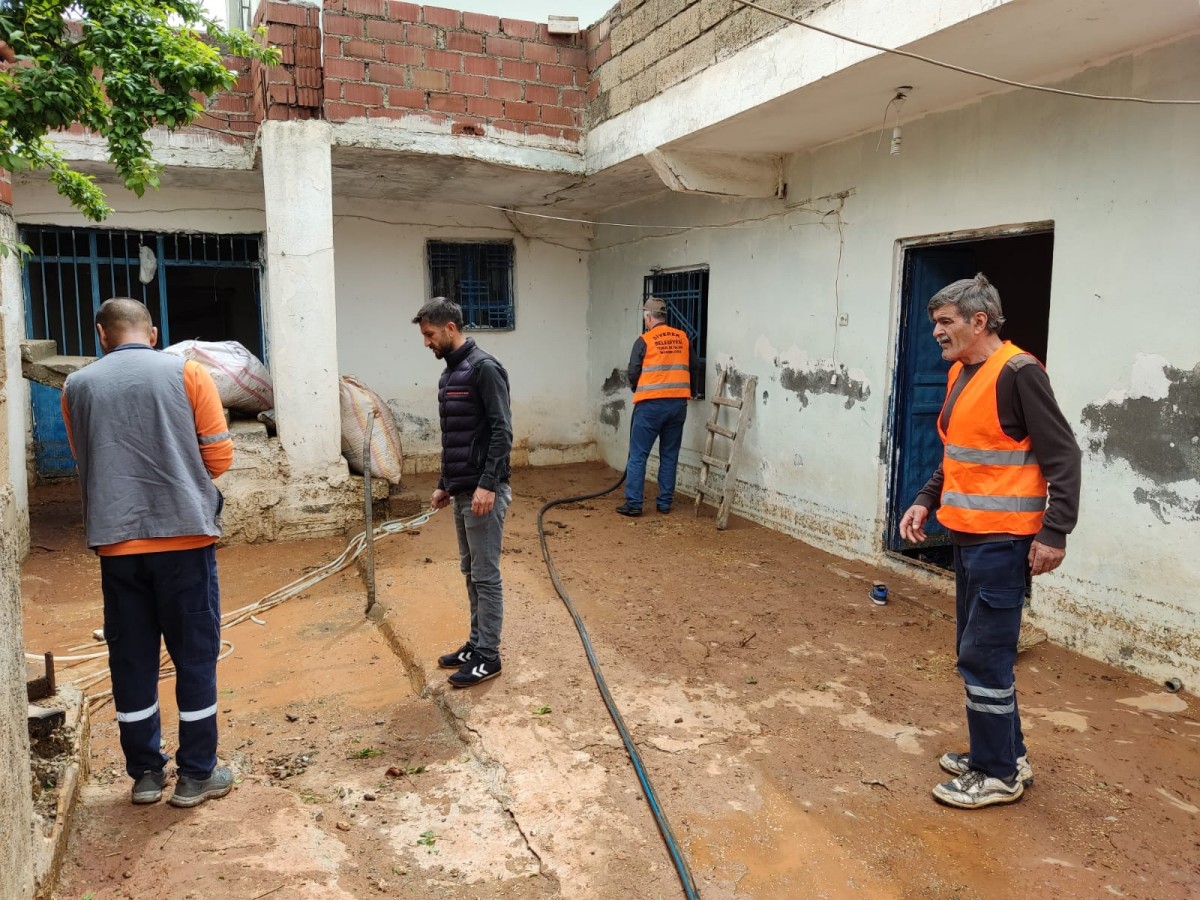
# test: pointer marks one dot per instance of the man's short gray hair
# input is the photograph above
(970, 296)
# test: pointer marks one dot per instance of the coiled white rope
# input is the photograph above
(354, 548)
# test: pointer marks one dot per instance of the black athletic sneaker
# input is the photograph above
(463, 656)
(194, 791)
(148, 788)
(475, 671)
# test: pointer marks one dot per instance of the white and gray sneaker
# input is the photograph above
(974, 789)
(960, 764)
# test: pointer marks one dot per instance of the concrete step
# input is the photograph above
(41, 363)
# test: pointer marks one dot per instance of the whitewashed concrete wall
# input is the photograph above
(1119, 182)
(14, 399)
(167, 209)
(382, 280)
(16, 811)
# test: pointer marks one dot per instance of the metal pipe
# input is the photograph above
(369, 523)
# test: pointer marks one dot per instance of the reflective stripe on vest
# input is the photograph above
(665, 369)
(992, 484)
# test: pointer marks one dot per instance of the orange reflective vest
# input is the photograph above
(665, 369)
(993, 484)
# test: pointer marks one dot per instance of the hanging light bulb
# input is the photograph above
(902, 93)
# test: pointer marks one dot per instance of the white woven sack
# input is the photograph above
(358, 402)
(242, 381)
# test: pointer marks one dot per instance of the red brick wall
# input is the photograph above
(294, 88)
(232, 112)
(391, 59)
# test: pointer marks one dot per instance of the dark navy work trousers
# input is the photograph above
(660, 419)
(990, 594)
(172, 596)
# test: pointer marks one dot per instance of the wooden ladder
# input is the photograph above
(723, 498)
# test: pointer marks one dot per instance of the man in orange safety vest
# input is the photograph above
(1008, 492)
(663, 374)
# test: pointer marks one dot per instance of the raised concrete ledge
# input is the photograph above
(416, 135)
(783, 62)
(810, 89)
(186, 149)
(41, 363)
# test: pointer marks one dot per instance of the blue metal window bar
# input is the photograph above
(478, 277)
(686, 296)
(71, 271)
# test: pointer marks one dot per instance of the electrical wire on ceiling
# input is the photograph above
(749, 222)
(908, 54)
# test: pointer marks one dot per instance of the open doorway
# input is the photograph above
(1019, 265)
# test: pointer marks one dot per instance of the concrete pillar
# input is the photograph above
(300, 307)
(16, 805)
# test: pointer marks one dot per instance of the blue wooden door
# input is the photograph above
(920, 384)
(51, 450)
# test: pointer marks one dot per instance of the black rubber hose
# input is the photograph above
(664, 827)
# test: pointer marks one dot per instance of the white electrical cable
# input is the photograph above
(963, 70)
(739, 225)
(354, 547)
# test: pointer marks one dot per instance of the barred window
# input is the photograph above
(478, 277)
(685, 291)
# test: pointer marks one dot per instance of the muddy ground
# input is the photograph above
(790, 726)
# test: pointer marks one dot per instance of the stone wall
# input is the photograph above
(643, 47)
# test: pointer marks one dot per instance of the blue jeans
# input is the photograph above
(479, 544)
(663, 420)
(173, 595)
(990, 594)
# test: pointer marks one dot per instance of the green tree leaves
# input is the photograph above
(116, 67)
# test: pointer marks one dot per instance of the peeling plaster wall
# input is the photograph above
(382, 280)
(1116, 180)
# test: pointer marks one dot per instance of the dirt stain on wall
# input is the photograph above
(615, 383)
(1158, 437)
(610, 413)
(735, 381)
(421, 428)
(824, 379)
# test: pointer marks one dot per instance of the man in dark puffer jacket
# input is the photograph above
(476, 417)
